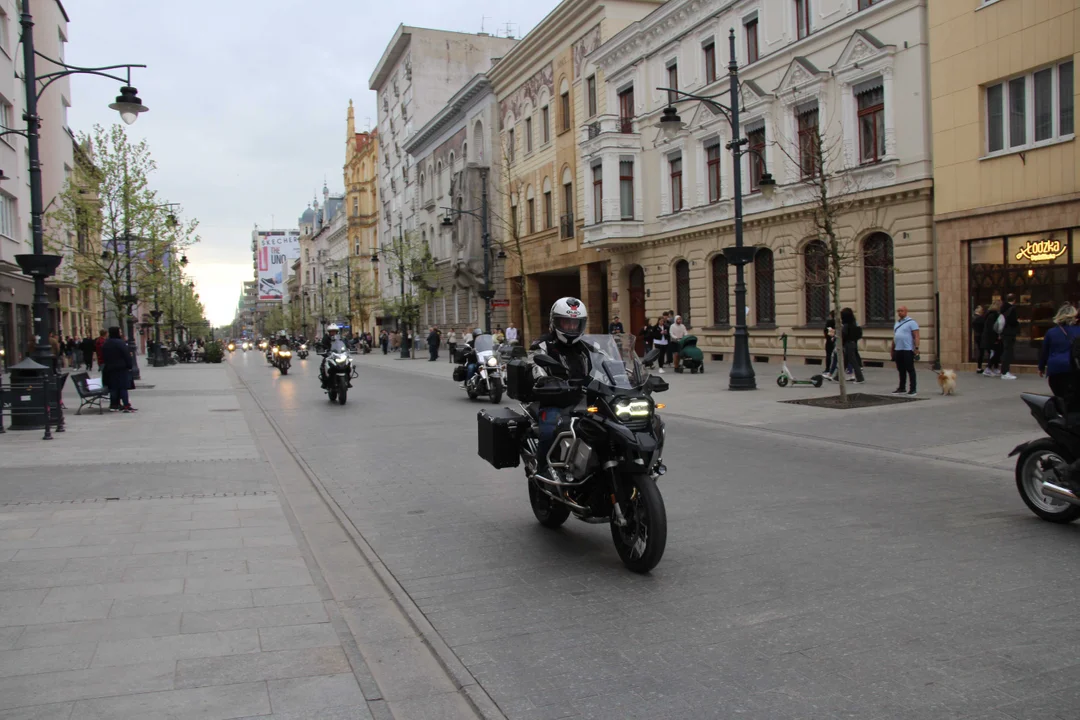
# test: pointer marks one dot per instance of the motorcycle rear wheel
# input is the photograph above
(551, 513)
(1029, 481)
(641, 542)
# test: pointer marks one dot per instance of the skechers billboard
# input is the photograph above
(277, 251)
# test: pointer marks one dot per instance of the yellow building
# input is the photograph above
(542, 100)
(361, 203)
(1007, 199)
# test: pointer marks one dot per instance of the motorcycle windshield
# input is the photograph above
(484, 343)
(337, 347)
(614, 362)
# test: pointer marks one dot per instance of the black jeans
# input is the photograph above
(981, 355)
(852, 359)
(905, 365)
(1060, 383)
(453, 348)
(1007, 343)
(434, 352)
(119, 380)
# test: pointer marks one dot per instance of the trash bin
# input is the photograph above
(26, 392)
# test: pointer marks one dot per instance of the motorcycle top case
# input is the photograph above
(497, 436)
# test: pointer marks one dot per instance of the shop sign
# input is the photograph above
(1042, 250)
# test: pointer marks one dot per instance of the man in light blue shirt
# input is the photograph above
(905, 347)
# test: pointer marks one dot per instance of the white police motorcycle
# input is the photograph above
(487, 378)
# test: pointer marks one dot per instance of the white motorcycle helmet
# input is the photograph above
(332, 328)
(568, 319)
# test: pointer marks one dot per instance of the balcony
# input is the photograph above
(626, 125)
(566, 226)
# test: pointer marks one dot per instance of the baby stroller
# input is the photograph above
(690, 356)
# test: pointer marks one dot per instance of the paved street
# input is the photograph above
(819, 564)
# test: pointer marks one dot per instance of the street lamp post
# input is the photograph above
(303, 314)
(448, 220)
(37, 264)
(741, 376)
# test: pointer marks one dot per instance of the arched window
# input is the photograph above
(720, 305)
(682, 291)
(764, 287)
(465, 152)
(478, 141)
(450, 167)
(816, 281)
(878, 277)
(423, 192)
(438, 179)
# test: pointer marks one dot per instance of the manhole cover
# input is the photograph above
(854, 401)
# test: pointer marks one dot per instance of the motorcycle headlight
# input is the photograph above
(632, 409)
(492, 362)
(286, 353)
(303, 347)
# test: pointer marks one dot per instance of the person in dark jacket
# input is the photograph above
(116, 371)
(991, 340)
(852, 335)
(978, 328)
(1056, 354)
(88, 352)
(433, 339)
(1008, 335)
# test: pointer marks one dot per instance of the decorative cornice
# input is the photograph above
(474, 89)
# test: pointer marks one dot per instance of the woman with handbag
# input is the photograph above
(1055, 359)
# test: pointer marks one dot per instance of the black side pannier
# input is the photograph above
(519, 380)
(459, 373)
(497, 436)
(460, 353)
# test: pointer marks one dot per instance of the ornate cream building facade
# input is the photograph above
(1007, 205)
(362, 207)
(852, 72)
(544, 95)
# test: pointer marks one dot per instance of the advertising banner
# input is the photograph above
(277, 251)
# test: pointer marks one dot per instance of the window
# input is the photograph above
(750, 27)
(528, 135)
(590, 91)
(513, 219)
(712, 170)
(4, 32)
(564, 100)
(709, 52)
(673, 83)
(530, 207)
(626, 189)
(510, 144)
(878, 277)
(682, 291)
(756, 155)
(863, 4)
(598, 193)
(676, 184)
(438, 180)
(7, 216)
(764, 292)
(568, 199)
(5, 118)
(802, 18)
(1030, 109)
(720, 306)
(809, 165)
(871, 124)
(626, 110)
(356, 202)
(545, 119)
(549, 220)
(816, 282)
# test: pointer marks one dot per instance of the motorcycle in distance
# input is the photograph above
(607, 454)
(487, 379)
(303, 351)
(282, 358)
(232, 347)
(1041, 465)
(338, 372)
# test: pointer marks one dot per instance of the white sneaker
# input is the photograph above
(1008, 376)
(827, 376)
(849, 378)
(661, 371)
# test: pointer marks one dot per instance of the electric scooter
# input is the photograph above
(786, 378)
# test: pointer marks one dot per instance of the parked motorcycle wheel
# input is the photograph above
(1029, 479)
(641, 542)
(343, 389)
(551, 513)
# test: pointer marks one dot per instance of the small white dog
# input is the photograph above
(946, 380)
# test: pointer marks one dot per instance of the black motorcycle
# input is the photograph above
(606, 456)
(337, 372)
(282, 358)
(1041, 465)
(302, 352)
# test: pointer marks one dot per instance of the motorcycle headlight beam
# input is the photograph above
(492, 362)
(627, 409)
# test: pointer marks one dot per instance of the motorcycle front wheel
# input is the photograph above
(284, 369)
(1029, 480)
(641, 542)
(343, 389)
(496, 391)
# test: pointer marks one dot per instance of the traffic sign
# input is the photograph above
(500, 303)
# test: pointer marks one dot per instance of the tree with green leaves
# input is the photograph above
(410, 265)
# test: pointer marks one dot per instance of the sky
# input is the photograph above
(248, 100)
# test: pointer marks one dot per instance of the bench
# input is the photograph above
(87, 396)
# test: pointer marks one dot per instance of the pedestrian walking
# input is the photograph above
(660, 340)
(676, 333)
(384, 341)
(852, 334)
(116, 371)
(978, 327)
(991, 339)
(1055, 358)
(1008, 335)
(88, 352)
(830, 347)
(451, 343)
(433, 339)
(905, 346)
